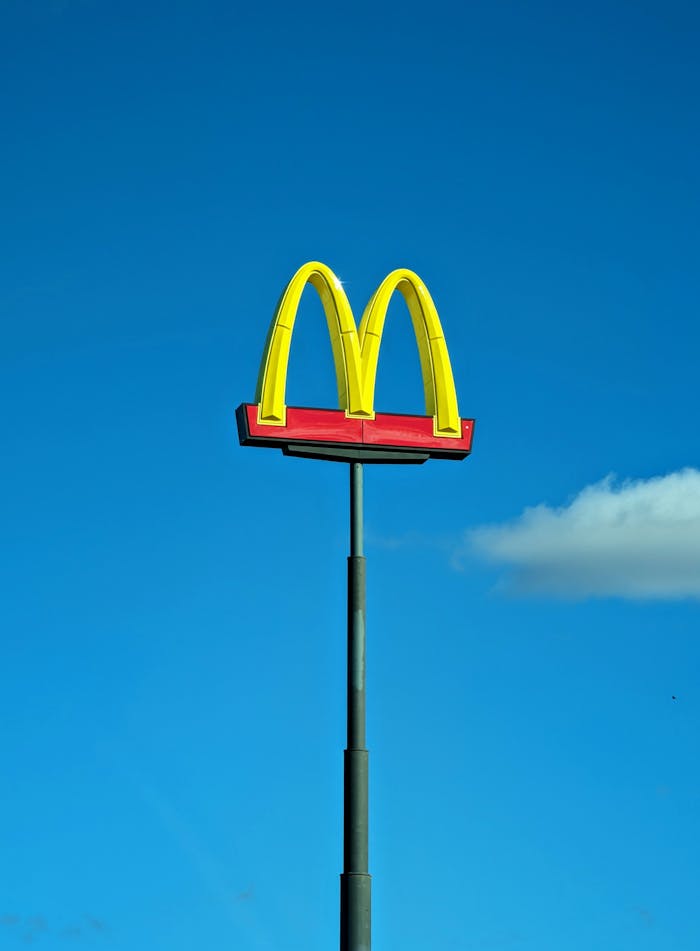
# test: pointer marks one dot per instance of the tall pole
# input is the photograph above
(355, 881)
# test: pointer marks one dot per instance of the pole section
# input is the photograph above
(355, 881)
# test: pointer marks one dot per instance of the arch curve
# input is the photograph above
(436, 369)
(272, 378)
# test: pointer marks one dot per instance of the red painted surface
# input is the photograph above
(333, 426)
(389, 429)
(319, 425)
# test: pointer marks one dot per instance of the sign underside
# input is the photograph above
(330, 434)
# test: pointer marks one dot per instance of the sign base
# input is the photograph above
(331, 435)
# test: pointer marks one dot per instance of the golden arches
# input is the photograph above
(356, 354)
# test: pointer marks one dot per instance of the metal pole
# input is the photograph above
(355, 881)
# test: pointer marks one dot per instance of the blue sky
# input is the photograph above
(172, 677)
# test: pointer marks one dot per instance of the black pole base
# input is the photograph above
(355, 911)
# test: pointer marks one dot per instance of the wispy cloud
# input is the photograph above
(30, 927)
(411, 541)
(636, 539)
(645, 916)
(246, 895)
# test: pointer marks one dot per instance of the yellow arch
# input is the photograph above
(438, 381)
(272, 378)
(356, 354)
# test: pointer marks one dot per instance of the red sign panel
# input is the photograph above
(328, 429)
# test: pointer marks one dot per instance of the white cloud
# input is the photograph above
(639, 539)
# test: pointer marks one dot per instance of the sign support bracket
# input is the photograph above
(355, 881)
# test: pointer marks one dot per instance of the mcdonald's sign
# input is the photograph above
(355, 432)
